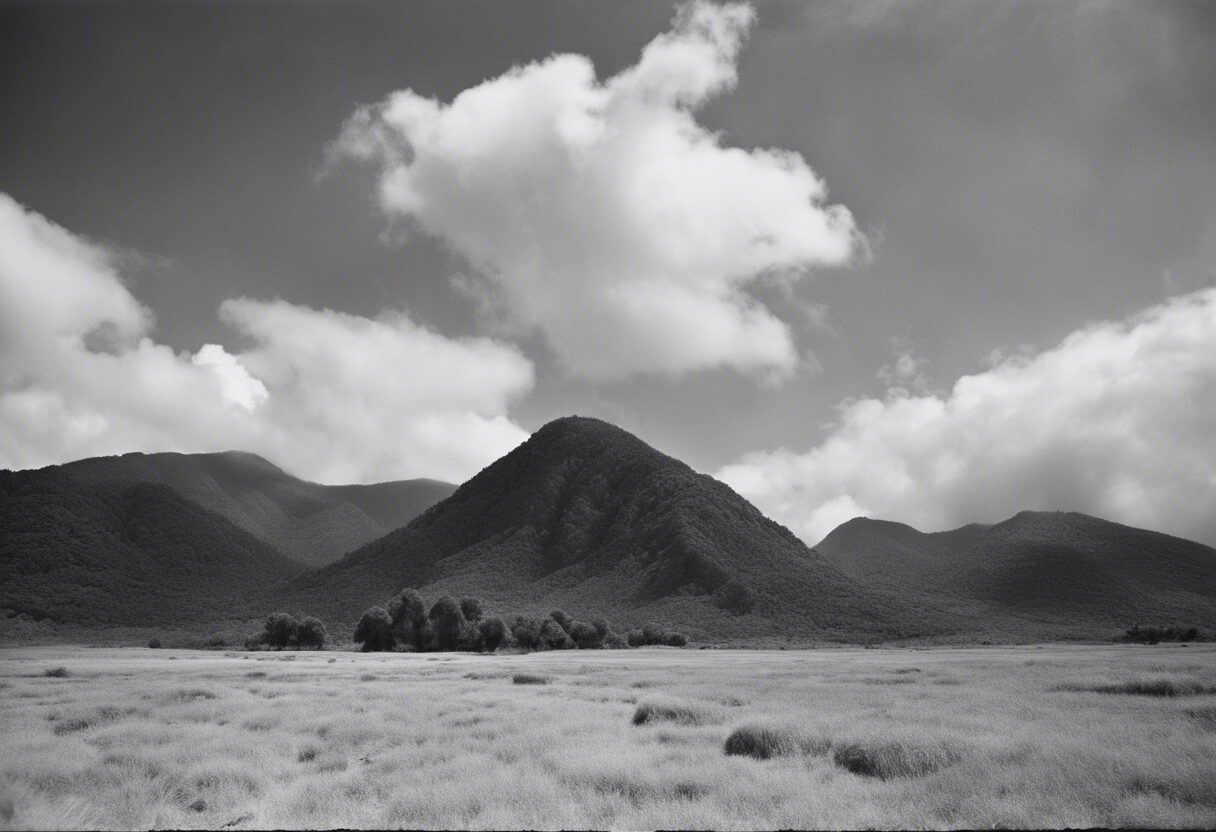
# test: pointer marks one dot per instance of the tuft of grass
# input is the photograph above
(1161, 686)
(767, 741)
(184, 695)
(1205, 716)
(255, 674)
(685, 713)
(56, 672)
(91, 719)
(890, 759)
(529, 679)
(368, 677)
(307, 754)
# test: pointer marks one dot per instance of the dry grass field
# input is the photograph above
(936, 738)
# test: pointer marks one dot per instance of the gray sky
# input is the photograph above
(1008, 174)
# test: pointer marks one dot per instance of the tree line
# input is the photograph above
(407, 623)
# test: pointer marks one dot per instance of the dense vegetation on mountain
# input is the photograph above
(586, 516)
(1064, 570)
(315, 524)
(118, 554)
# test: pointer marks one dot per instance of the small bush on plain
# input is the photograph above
(887, 760)
(529, 679)
(684, 713)
(767, 741)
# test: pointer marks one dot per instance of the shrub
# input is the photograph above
(311, 633)
(214, 642)
(602, 627)
(887, 760)
(56, 672)
(1152, 635)
(674, 639)
(493, 633)
(1152, 687)
(375, 631)
(255, 641)
(529, 679)
(685, 713)
(764, 742)
(635, 638)
(154, 644)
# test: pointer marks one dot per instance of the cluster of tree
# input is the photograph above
(286, 631)
(405, 622)
(1153, 635)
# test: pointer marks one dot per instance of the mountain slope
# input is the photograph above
(1059, 568)
(586, 516)
(315, 524)
(119, 554)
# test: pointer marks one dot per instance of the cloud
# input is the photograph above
(1118, 420)
(341, 398)
(602, 214)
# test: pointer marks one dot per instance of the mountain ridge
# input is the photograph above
(584, 509)
(312, 523)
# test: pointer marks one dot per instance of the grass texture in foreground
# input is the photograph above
(655, 738)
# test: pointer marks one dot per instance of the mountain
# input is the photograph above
(126, 554)
(1060, 570)
(587, 517)
(315, 524)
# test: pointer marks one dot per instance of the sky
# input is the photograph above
(935, 262)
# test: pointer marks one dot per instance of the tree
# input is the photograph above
(586, 636)
(281, 630)
(375, 631)
(526, 632)
(448, 623)
(564, 621)
(652, 633)
(311, 633)
(154, 644)
(602, 627)
(471, 607)
(493, 633)
(553, 637)
(408, 612)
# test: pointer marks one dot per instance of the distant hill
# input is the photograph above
(587, 517)
(110, 554)
(1062, 570)
(315, 524)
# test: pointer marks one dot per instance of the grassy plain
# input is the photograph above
(1054, 736)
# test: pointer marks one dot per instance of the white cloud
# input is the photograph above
(603, 214)
(1118, 420)
(334, 397)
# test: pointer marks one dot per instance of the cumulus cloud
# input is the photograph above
(1118, 420)
(602, 214)
(342, 397)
